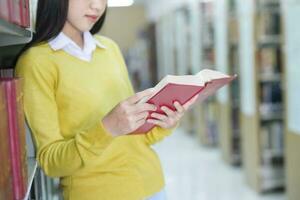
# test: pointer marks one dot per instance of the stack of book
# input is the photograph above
(13, 153)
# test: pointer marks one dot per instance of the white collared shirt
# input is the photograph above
(63, 42)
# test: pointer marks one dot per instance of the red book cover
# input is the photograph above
(14, 11)
(6, 187)
(24, 12)
(182, 89)
(19, 189)
(4, 10)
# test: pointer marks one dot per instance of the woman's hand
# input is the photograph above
(171, 118)
(128, 115)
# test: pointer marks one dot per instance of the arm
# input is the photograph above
(157, 133)
(58, 156)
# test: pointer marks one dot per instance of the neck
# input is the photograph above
(74, 34)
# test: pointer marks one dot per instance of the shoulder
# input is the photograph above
(36, 57)
(41, 52)
(106, 41)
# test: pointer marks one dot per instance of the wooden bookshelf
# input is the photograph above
(32, 169)
(262, 118)
(11, 34)
(12, 39)
(292, 164)
(227, 35)
(208, 133)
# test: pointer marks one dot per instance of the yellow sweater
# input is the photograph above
(65, 99)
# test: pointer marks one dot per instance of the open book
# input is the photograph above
(182, 89)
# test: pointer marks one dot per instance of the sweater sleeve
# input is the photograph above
(57, 156)
(157, 133)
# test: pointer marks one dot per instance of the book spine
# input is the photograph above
(27, 13)
(13, 140)
(4, 10)
(14, 11)
(5, 164)
(21, 133)
(24, 12)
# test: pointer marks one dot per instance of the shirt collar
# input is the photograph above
(62, 40)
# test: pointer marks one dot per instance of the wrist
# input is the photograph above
(106, 126)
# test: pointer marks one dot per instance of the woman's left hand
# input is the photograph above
(171, 118)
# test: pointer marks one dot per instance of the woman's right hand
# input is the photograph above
(128, 115)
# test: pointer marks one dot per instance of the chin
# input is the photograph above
(83, 27)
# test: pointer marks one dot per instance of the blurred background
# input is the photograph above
(240, 144)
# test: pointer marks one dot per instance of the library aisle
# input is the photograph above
(195, 172)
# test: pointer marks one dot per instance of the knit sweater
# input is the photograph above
(65, 100)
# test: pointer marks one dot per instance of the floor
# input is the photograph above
(193, 172)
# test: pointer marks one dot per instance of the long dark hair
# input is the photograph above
(51, 17)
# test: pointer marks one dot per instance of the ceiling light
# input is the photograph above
(119, 3)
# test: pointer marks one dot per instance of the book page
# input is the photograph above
(208, 75)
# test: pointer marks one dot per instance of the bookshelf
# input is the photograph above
(262, 91)
(32, 168)
(226, 23)
(182, 51)
(208, 134)
(192, 35)
(11, 34)
(234, 88)
(12, 38)
(194, 43)
(291, 12)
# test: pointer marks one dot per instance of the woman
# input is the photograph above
(80, 106)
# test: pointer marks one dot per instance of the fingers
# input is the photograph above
(139, 108)
(179, 107)
(159, 116)
(142, 116)
(157, 122)
(169, 119)
(140, 95)
(140, 123)
(168, 111)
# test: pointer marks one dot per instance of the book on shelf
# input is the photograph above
(16, 12)
(20, 125)
(25, 13)
(6, 73)
(14, 137)
(270, 61)
(268, 24)
(4, 10)
(272, 143)
(271, 93)
(6, 191)
(183, 88)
